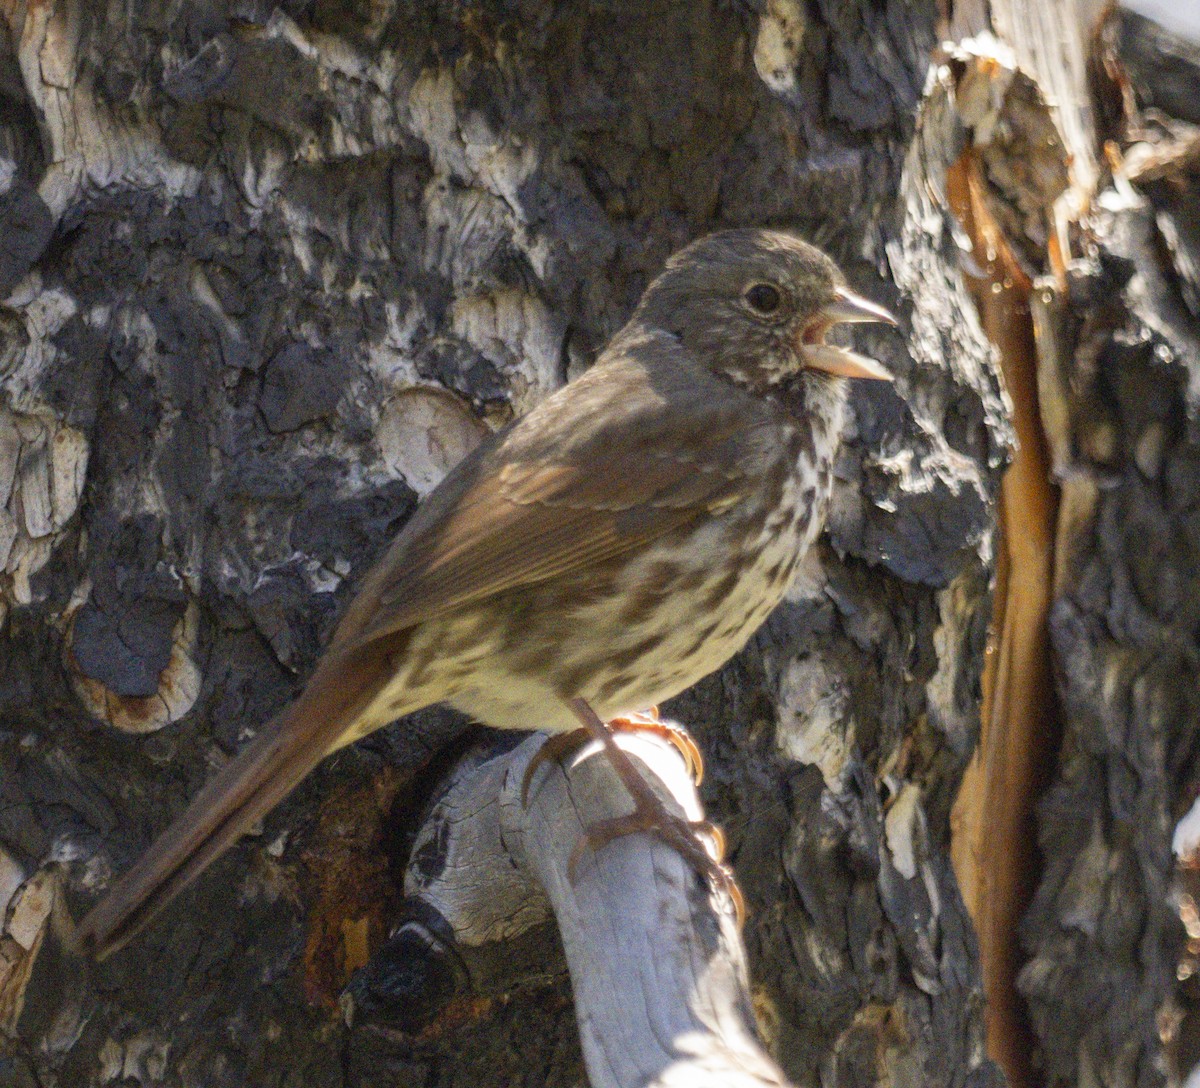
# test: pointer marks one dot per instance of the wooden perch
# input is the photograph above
(656, 961)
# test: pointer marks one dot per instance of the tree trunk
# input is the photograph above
(1121, 385)
(269, 273)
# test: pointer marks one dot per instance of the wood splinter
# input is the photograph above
(656, 961)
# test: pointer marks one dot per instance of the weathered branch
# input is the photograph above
(657, 964)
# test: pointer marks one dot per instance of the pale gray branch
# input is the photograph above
(656, 960)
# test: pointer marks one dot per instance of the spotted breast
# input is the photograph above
(675, 615)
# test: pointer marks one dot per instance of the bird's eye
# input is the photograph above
(764, 298)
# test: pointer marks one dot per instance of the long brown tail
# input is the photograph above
(243, 791)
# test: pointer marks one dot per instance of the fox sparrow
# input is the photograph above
(618, 543)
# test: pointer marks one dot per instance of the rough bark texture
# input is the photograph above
(269, 271)
(657, 962)
(1120, 382)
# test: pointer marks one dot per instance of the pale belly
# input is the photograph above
(622, 658)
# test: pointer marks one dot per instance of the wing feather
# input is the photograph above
(521, 511)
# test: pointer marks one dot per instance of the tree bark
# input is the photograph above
(272, 270)
(1120, 356)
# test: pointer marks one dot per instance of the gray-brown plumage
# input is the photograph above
(617, 544)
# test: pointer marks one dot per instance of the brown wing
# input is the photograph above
(532, 506)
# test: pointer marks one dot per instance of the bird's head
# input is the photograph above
(755, 305)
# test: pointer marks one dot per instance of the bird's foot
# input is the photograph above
(687, 837)
(648, 721)
(651, 816)
(563, 745)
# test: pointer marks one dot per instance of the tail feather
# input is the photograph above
(241, 793)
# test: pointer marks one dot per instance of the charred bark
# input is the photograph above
(272, 271)
(1120, 368)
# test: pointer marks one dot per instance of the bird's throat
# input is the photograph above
(818, 400)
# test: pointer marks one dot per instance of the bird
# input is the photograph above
(599, 555)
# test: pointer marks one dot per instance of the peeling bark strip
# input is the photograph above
(269, 269)
(1002, 189)
(1108, 580)
(657, 966)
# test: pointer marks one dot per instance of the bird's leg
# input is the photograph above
(652, 817)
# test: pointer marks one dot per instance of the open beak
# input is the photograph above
(846, 308)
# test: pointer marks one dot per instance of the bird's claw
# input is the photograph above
(648, 721)
(685, 836)
(561, 745)
(557, 748)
